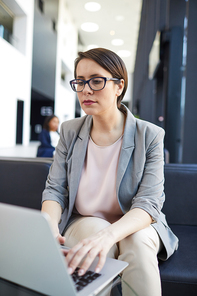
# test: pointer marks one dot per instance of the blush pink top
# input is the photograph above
(96, 194)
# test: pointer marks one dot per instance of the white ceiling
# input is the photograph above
(127, 29)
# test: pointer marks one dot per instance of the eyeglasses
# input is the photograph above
(95, 83)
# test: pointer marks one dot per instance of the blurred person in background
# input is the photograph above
(48, 137)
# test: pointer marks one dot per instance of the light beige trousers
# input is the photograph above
(139, 250)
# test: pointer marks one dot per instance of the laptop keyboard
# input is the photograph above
(84, 280)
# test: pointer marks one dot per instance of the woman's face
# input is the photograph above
(53, 124)
(97, 102)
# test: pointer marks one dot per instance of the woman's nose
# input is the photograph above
(87, 88)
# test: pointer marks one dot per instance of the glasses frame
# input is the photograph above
(88, 82)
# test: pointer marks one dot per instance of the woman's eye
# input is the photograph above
(96, 81)
(80, 83)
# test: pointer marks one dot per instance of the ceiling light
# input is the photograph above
(117, 42)
(91, 46)
(120, 18)
(124, 53)
(89, 27)
(92, 6)
(112, 32)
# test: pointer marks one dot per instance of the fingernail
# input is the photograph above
(97, 270)
(70, 270)
(81, 272)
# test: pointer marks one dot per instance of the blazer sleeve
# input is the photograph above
(150, 194)
(56, 188)
(58, 181)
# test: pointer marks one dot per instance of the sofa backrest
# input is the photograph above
(180, 205)
(22, 180)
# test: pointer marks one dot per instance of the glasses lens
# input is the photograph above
(77, 85)
(97, 83)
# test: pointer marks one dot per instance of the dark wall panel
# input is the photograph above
(44, 52)
(173, 121)
(190, 134)
(159, 101)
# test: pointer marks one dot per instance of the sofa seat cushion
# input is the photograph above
(182, 266)
(179, 272)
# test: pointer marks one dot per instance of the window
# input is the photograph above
(6, 22)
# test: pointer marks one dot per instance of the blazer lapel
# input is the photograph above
(78, 158)
(128, 146)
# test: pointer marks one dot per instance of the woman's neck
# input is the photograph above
(107, 129)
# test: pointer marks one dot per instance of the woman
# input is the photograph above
(107, 179)
(48, 137)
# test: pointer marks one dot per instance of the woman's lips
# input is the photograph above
(88, 102)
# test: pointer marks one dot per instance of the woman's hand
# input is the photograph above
(87, 250)
(100, 243)
(60, 239)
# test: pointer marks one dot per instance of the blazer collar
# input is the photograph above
(86, 127)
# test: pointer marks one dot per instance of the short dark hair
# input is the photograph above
(108, 60)
(47, 120)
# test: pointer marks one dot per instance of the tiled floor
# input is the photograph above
(20, 150)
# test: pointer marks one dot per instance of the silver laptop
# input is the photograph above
(31, 257)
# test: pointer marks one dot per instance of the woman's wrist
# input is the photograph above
(132, 221)
(54, 227)
(110, 233)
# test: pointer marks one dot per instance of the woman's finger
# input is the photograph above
(76, 255)
(73, 251)
(64, 252)
(101, 262)
(88, 260)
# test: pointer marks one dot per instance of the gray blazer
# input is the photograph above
(140, 175)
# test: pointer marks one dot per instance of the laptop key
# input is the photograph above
(79, 288)
(84, 280)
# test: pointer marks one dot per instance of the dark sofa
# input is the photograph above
(179, 272)
(23, 180)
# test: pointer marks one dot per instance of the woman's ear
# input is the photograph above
(120, 87)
